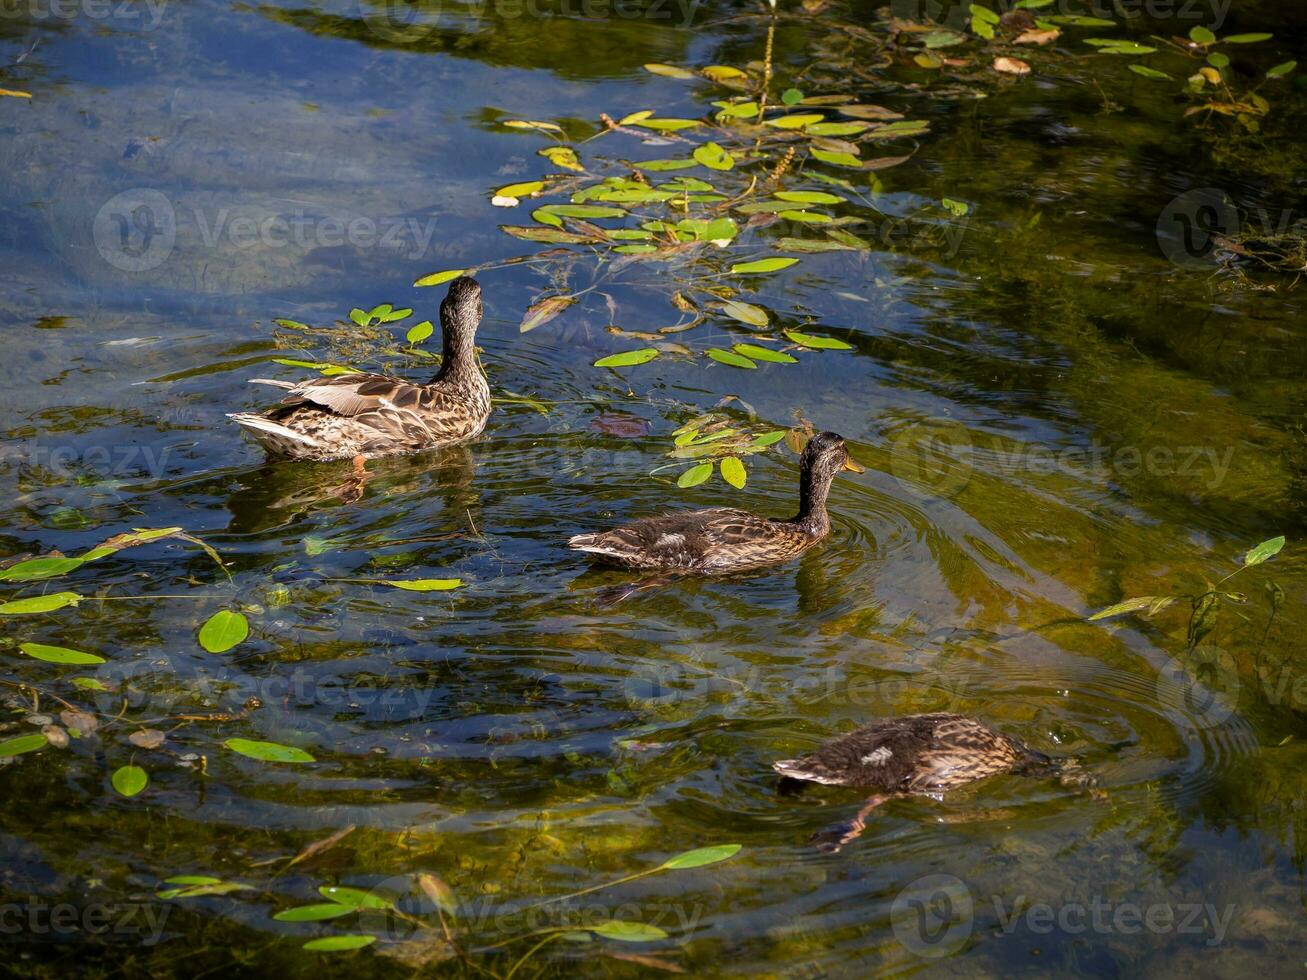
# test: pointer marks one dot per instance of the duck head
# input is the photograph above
(460, 315)
(823, 458)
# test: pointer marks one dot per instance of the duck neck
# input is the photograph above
(812, 516)
(457, 353)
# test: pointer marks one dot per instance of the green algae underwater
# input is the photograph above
(1038, 262)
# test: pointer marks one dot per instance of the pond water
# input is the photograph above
(1065, 397)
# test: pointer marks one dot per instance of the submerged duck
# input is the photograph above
(912, 754)
(722, 539)
(364, 416)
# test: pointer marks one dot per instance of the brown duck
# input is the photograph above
(364, 416)
(722, 540)
(912, 754)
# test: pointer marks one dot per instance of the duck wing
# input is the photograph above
(350, 395)
(682, 540)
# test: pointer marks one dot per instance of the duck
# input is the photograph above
(367, 416)
(722, 540)
(911, 755)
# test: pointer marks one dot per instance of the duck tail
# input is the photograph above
(596, 544)
(272, 435)
(808, 770)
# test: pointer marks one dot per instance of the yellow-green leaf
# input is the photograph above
(40, 604)
(754, 316)
(436, 278)
(59, 655)
(668, 71)
(773, 264)
(1265, 550)
(730, 357)
(223, 630)
(695, 475)
(765, 354)
(817, 343)
(733, 472)
(130, 780)
(711, 155)
(424, 584)
(267, 751)
(629, 358)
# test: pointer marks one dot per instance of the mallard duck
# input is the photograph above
(912, 754)
(363, 416)
(722, 539)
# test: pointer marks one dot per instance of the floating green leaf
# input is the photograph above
(524, 189)
(839, 159)
(339, 944)
(59, 655)
(807, 217)
(314, 913)
(695, 475)
(796, 121)
(701, 856)
(35, 569)
(1265, 550)
(711, 155)
(668, 71)
(424, 584)
(754, 316)
(355, 897)
(436, 278)
(673, 164)
(629, 358)
(1147, 72)
(268, 751)
(1202, 35)
(773, 264)
(1279, 71)
(1126, 606)
(130, 780)
(21, 744)
(419, 332)
(733, 472)
(730, 357)
(1246, 38)
(40, 604)
(765, 354)
(562, 156)
(668, 125)
(817, 343)
(223, 630)
(809, 197)
(628, 932)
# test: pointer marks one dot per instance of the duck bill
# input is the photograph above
(853, 466)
